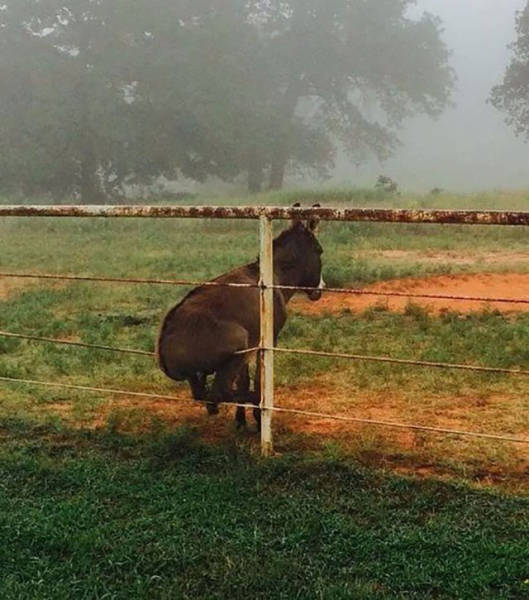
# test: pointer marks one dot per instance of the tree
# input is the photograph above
(108, 96)
(363, 65)
(64, 99)
(512, 96)
(98, 94)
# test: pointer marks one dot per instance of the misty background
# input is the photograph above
(469, 148)
(101, 100)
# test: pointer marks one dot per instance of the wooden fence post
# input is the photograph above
(266, 280)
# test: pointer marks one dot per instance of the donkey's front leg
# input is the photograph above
(256, 395)
(243, 393)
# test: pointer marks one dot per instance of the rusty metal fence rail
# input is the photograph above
(266, 216)
(373, 215)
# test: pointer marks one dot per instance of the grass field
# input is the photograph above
(106, 497)
(103, 516)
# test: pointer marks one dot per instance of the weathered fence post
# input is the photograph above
(266, 282)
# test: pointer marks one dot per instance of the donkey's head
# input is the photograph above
(297, 254)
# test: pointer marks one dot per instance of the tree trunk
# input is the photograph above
(90, 184)
(279, 167)
(287, 110)
(255, 176)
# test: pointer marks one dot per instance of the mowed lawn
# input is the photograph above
(123, 501)
(108, 516)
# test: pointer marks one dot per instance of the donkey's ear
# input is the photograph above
(314, 223)
(296, 220)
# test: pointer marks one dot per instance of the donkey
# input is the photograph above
(204, 333)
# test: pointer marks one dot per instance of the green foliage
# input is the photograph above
(338, 54)
(66, 123)
(512, 95)
(386, 184)
(97, 97)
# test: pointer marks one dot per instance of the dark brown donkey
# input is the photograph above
(201, 335)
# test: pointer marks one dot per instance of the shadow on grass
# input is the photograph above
(162, 515)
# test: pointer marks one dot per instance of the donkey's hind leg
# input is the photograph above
(198, 383)
(243, 393)
(199, 390)
(225, 378)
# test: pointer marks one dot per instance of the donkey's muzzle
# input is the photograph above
(316, 294)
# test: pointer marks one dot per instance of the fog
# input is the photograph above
(470, 147)
(98, 101)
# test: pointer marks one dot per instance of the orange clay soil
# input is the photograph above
(400, 450)
(8, 286)
(11, 287)
(488, 285)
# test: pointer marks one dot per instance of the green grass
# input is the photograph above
(97, 315)
(169, 248)
(353, 252)
(156, 513)
(418, 335)
(165, 517)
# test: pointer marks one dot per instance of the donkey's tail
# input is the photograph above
(164, 367)
(162, 364)
(159, 349)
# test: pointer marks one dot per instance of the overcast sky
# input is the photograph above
(469, 147)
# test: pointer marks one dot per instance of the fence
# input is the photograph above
(266, 216)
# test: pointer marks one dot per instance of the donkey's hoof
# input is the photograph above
(213, 409)
(240, 421)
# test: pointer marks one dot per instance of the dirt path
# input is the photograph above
(497, 285)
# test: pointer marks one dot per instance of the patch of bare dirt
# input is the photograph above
(10, 286)
(483, 259)
(139, 415)
(405, 451)
(486, 285)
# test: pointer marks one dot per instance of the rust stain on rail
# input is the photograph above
(255, 212)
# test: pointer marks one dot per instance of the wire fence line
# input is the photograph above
(85, 388)
(266, 215)
(326, 290)
(402, 361)
(96, 279)
(390, 294)
(323, 354)
(278, 409)
(34, 338)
